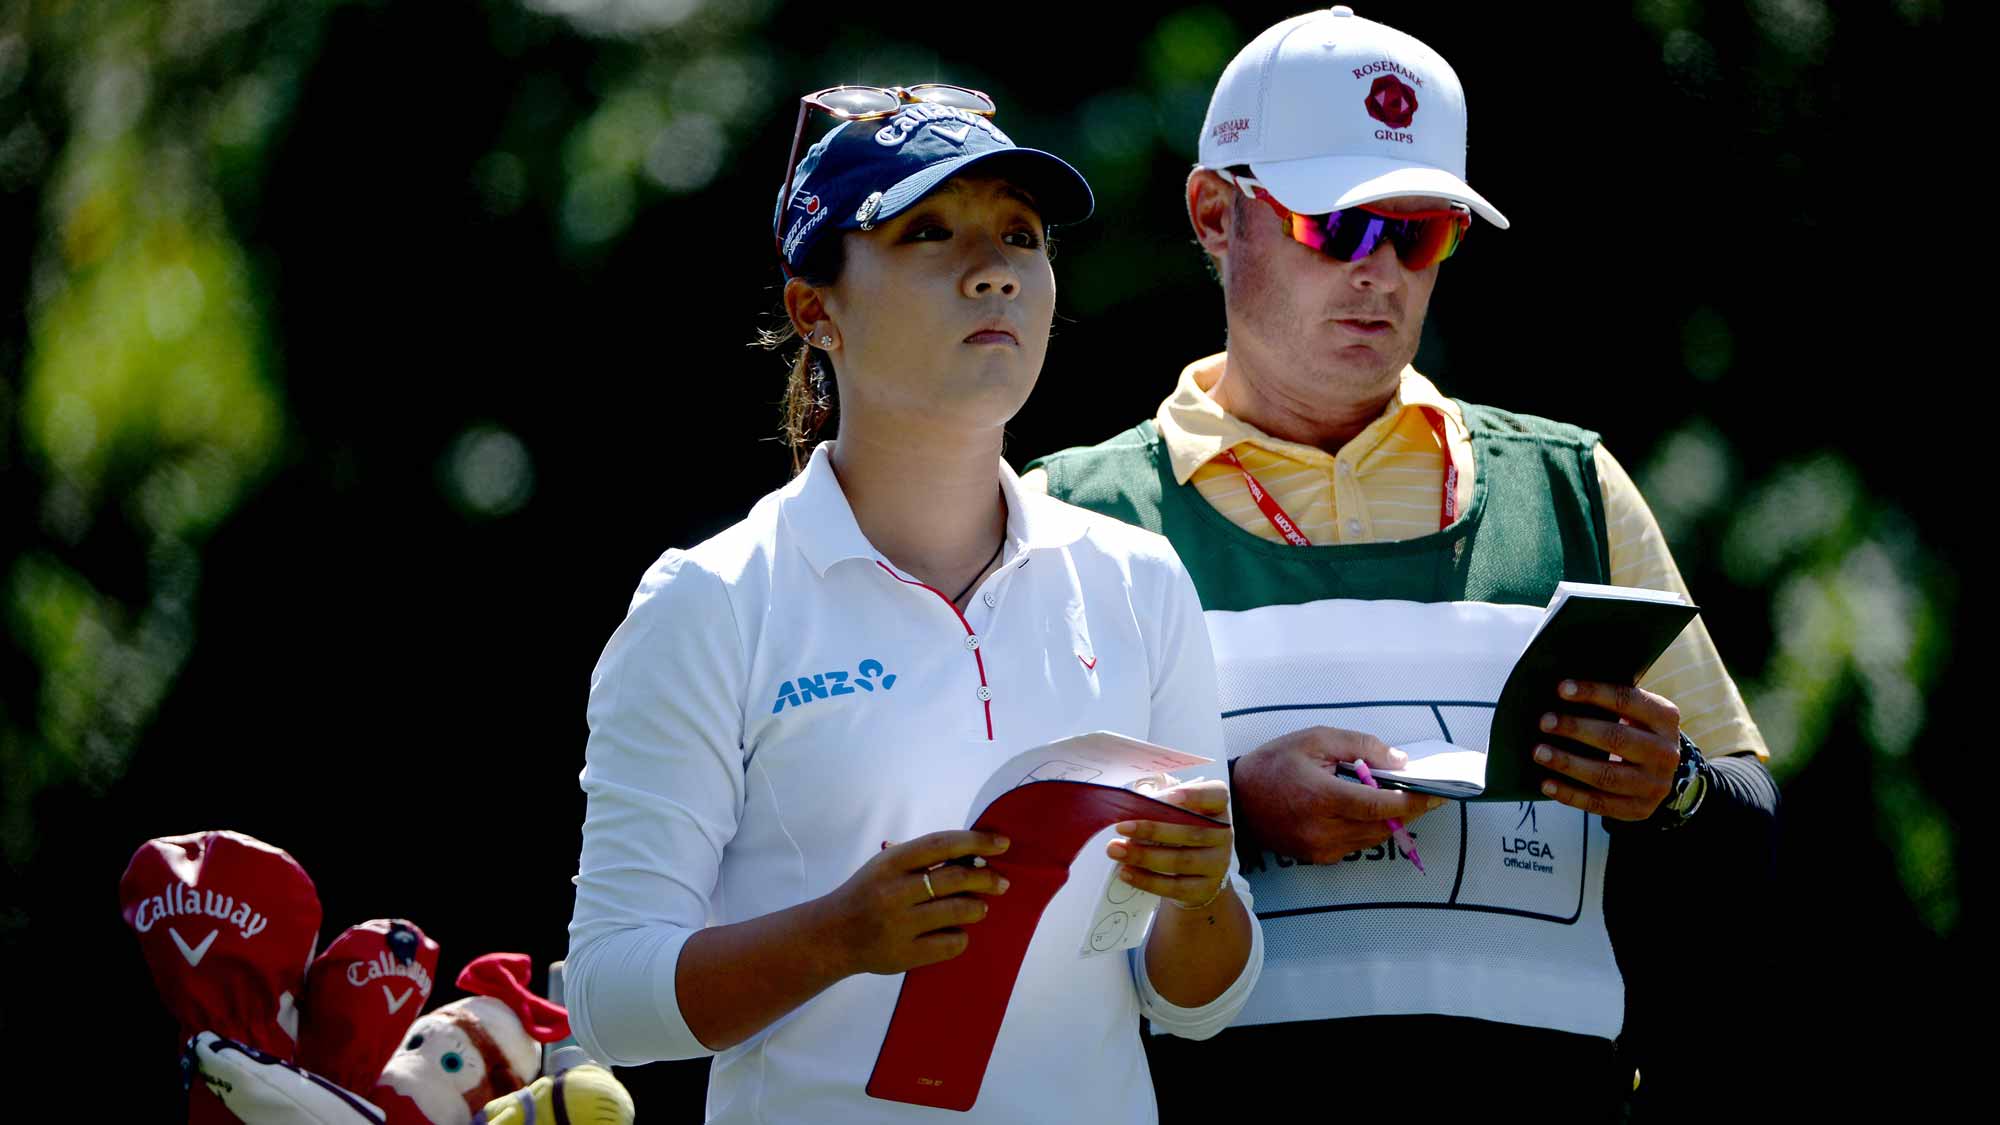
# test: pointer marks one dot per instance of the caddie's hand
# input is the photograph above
(1645, 738)
(907, 905)
(1182, 862)
(1288, 795)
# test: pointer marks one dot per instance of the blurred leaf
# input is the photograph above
(145, 404)
(488, 472)
(1857, 621)
(1707, 345)
(150, 354)
(1691, 472)
(1191, 46)
(1799, 28)
(1922, 838)
(1663, 16)
(1798, 511)
(620, 17)
(1691, 60)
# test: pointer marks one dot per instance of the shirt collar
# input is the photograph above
(1036, 521)
(1197, 430)
(818, 514)
(1420, 392)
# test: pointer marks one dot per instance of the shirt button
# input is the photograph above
(1353, 527)
(992, 599)
(971, 641)
(985, 693)
(1345, 470)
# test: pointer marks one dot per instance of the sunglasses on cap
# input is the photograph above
(1421, 238)
(865, 103)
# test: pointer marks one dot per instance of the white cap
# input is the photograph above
(1330, 110)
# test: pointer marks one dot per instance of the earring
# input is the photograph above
(825, 340)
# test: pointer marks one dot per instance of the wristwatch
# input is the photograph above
(1690, 786)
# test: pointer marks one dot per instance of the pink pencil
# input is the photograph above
(1396, 828)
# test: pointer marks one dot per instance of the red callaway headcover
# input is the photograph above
(227, 924)
(362, 994)
(504, 977)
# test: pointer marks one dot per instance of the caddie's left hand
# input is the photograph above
(1646, 739)
(1182, 862)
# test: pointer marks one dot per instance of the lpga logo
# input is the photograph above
(1528, 818)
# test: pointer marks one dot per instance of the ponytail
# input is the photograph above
(811, 398)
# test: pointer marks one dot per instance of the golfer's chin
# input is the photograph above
(994, 378)
(1361, 364)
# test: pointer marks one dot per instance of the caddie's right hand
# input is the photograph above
(886, 918)
(1288, 796)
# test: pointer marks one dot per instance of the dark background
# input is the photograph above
(357, 358)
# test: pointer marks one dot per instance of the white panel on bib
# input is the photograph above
(1509, 923)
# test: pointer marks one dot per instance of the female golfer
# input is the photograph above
(788, 728)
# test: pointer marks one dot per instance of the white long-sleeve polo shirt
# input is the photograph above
(780, 699)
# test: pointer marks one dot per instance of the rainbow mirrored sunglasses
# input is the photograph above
(865, 103)
(1421, 238)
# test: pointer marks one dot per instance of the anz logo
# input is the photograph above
(867, 677)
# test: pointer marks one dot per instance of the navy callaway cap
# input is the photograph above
(864, 172)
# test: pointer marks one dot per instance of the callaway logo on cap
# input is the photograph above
(865, 172)
(1330, 110)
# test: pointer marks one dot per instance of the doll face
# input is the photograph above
(440, 1051)
(449, 1065)
(460, 1057)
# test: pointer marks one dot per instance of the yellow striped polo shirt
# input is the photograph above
(1386, 484)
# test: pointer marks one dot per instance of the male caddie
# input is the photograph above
(1367, 551)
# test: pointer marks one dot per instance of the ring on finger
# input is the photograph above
(928, 889)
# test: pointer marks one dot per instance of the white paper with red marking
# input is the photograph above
(1100, 758)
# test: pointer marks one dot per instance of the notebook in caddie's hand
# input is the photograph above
(1609, 634)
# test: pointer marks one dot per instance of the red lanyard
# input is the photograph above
(1287, 527)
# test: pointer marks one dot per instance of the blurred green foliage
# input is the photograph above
(1860, 612)
(362, 351)
(143, 398)
(148, 406)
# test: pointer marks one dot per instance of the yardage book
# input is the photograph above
(1610, 634)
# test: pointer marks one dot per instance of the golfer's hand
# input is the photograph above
(884, 919)
(1182, 862)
